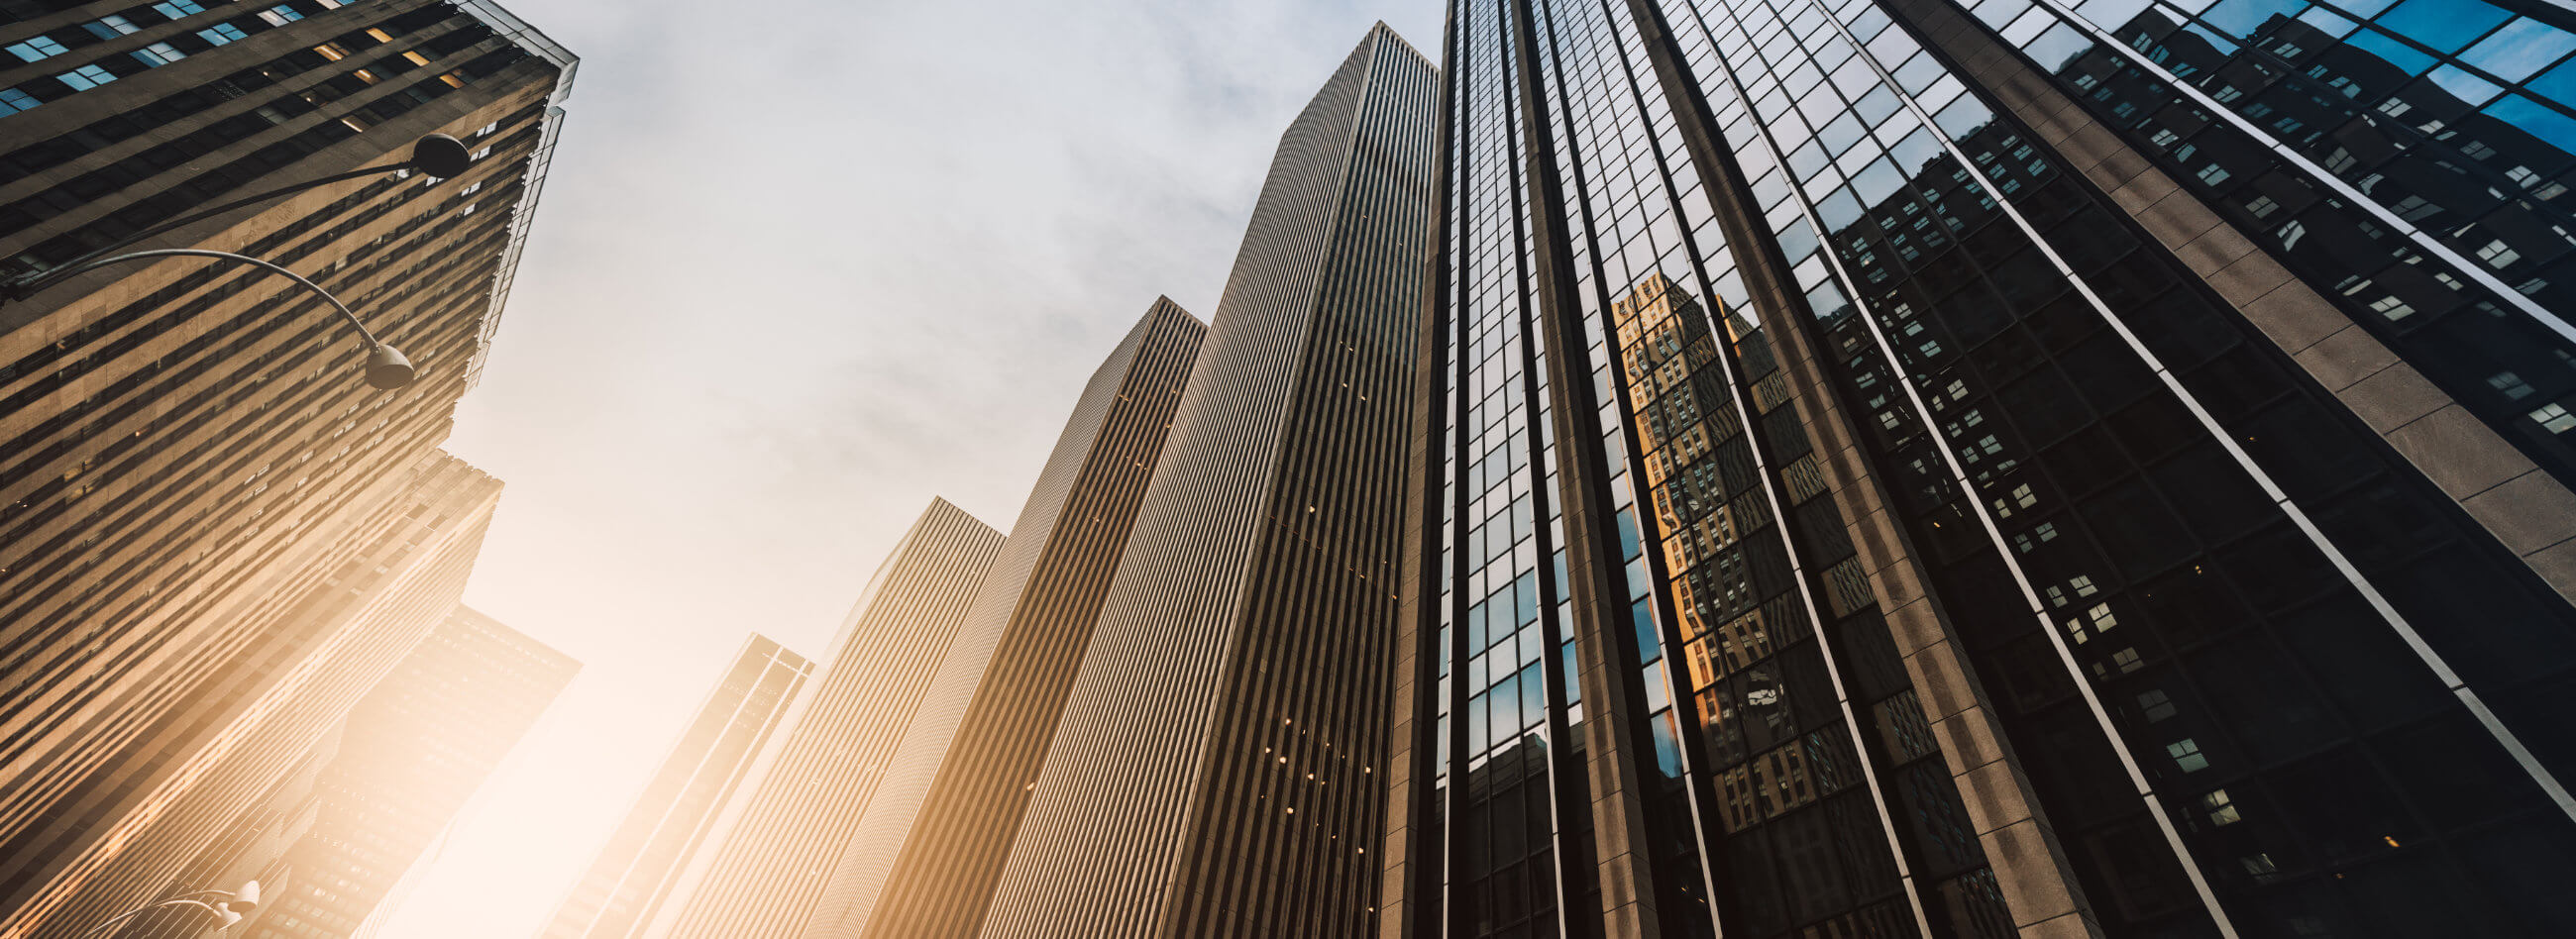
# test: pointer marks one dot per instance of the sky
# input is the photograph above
(800, 267)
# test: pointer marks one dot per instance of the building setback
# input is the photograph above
(925, 856)
(409, 756)
(261, 708)
(2042, 469)
(761, 875)
(1213, 771)
(643, 858)
(188, 458)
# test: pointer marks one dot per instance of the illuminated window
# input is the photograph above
(2220, 808)
(2554, 418)
(221, 33)
(175, 9)
(280, 15)
(332, 51)
(415, 58)
(158, 54)
(110, 27)
(2186, 755)
(379, 34)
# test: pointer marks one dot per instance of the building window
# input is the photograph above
(332, 51)
(221, 33)
(158, 54)
(110, 27)
(86, 77)
(280, 15)
(175, 9)
(13, 101)
(2156, 704)
(37, 49)
(2220, 808)
(2554, 418)
(2187, 756)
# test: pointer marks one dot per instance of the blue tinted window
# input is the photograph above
(2536, 119)
(2469, 88)
(2444, 25)
(2522, 47)
(2242, 17)
(2558, 85)
(2406, 58)
(37, 49)
(12, 101)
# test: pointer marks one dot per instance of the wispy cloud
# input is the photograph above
(803, 265)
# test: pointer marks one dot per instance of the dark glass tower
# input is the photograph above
(1906, 467)
(1214, 772)
(924, 859)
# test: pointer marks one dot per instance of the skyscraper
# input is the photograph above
(635, 871)
(409, 756)
(261, 703)
(762, 875)
(2016, 468)
(1213, 773)
(189, 454)
(924, 857)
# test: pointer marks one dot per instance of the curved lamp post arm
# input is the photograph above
(102, 928)
(386, 367)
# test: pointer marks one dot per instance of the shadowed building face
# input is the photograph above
(2015, 468)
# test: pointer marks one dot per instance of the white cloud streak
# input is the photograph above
(801, 266)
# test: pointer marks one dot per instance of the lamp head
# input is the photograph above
(246, 898)
(387, 368)
(440, 155)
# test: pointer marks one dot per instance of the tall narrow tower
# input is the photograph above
(762, 875)
(635, 871)
(1212, 773)
(925, 858)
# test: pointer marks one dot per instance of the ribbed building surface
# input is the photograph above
(761, 875)
(409, 756)
(2004, 469)
(187, 454)
(626, 884)
(263, 708)
(926, 855)
(1212, 772)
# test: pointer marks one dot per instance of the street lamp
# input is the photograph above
(437, 155)
(228, 909)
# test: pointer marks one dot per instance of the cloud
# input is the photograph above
(801, 266)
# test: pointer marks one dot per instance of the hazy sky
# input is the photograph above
(800, 267)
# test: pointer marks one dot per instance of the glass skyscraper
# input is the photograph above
(1905, 467)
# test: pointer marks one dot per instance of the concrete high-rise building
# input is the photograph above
(927, 851)
(760, 875)
(409, 756)
(1214, 769)
(260, 704)
(188, 459)
(636, 870)
(2020, 468)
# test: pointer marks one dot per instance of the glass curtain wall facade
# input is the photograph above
(1941, 526)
